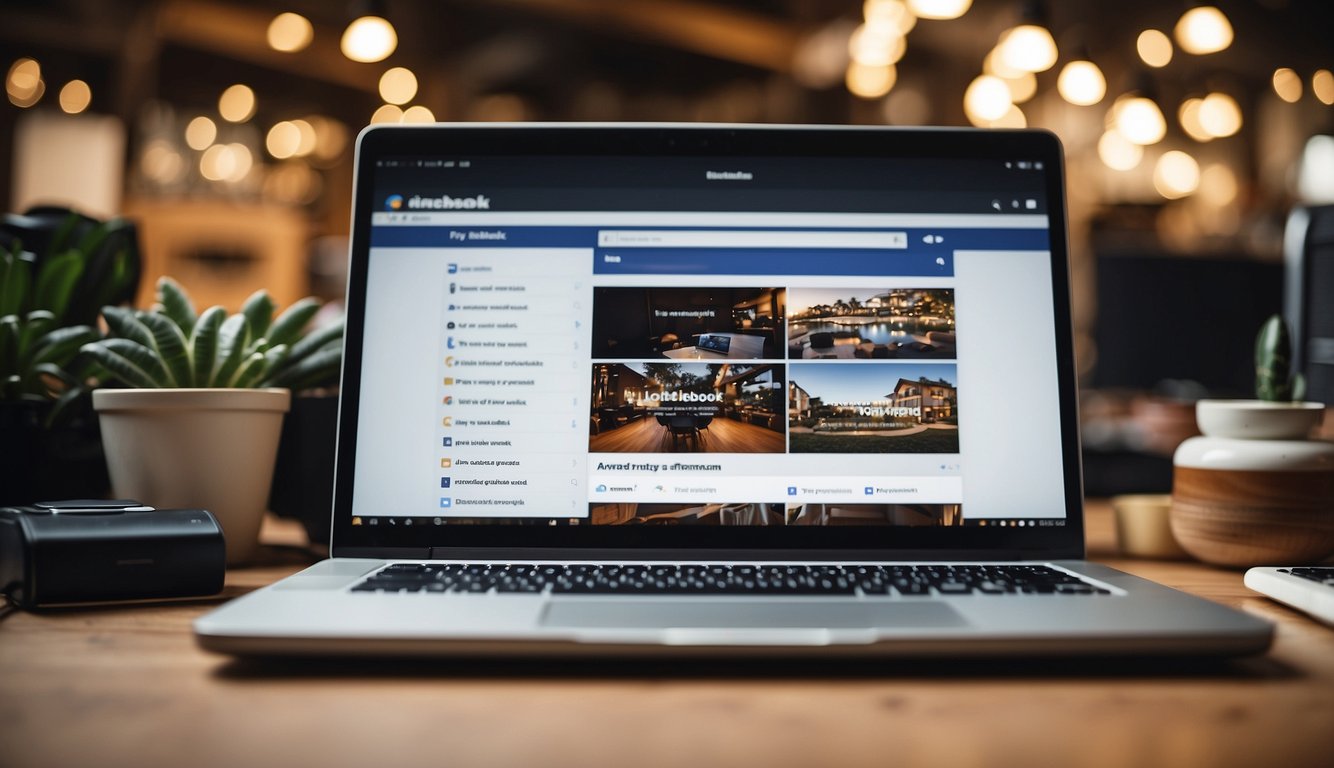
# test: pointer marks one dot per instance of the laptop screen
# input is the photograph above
(586, 340)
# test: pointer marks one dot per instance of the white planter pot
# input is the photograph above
(1254, 490)
(196, 448)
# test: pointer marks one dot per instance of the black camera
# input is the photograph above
(90, 550)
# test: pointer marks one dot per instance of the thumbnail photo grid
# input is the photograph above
(774, 370)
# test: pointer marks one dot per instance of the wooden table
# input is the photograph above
(127, 687)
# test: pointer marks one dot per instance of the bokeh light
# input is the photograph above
(290, 32)
(237, 104)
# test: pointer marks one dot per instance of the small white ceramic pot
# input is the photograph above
(196, 448)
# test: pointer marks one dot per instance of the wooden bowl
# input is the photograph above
(1244, 518)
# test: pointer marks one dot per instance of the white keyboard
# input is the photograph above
(1309, 589)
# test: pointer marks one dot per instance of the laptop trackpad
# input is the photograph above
(719, 614)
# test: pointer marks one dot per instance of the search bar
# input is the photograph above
(681, 238)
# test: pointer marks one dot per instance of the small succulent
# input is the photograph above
(1274, 379)
(171, 345)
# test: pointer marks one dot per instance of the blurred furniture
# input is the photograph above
(222, 251)
(145, 696)
(684, 428)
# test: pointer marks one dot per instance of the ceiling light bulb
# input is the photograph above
(987, 99)
(308, 138)
(237, 104)
(418, 114)
(1189, 115)
(283, 140)
(1154, 48)
(24, 75)
(1119, 153)
(1220, 115)
(290, 32)
(1028, 47)
(388, 113)
(75, 97)
(398, 85)
(939, 9)
(241, 162)
(869, 82)
(24, 84)
(1013, 118)
(200, 133)
(369, 38)
(1288, 85)
(889, 13)
(993, 64)
(1081, 83)
(1139, 120)
(1203, 29)
(217, 162)
(1176, 175)
(1322, 85)
(876, 46)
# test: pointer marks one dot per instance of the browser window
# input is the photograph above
(552, 342)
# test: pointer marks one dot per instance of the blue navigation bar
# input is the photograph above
(928, 252)
(772, 261)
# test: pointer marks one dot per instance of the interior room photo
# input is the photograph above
(667, 383)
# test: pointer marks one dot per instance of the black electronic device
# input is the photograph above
(94, 550)
(1308, 246)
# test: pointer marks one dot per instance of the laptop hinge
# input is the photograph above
(384, 553)
(684, 555)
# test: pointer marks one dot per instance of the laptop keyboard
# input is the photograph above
(699, 579)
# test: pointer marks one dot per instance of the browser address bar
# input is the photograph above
(681, 238)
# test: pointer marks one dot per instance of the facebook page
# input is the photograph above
(706, 367)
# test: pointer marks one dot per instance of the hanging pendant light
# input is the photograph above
(370, 37)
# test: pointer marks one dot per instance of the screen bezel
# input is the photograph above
(668, 141)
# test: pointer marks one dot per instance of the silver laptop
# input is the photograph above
(691, 389)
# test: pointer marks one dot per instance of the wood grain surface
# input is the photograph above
(1243, 518)
(126, 686)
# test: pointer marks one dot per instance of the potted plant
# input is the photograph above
(1254, 489)
(57, 269)
(198, 421)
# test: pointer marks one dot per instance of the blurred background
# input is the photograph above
(224, 128)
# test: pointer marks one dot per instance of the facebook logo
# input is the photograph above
(444, 482)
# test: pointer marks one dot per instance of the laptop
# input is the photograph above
(711, 390)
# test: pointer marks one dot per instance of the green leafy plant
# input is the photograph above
(173, 346)
(92, 263)
(45, 312)
(1274, 379)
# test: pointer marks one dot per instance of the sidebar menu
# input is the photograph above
(512, 414)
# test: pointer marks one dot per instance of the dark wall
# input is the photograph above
(1163, 317)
